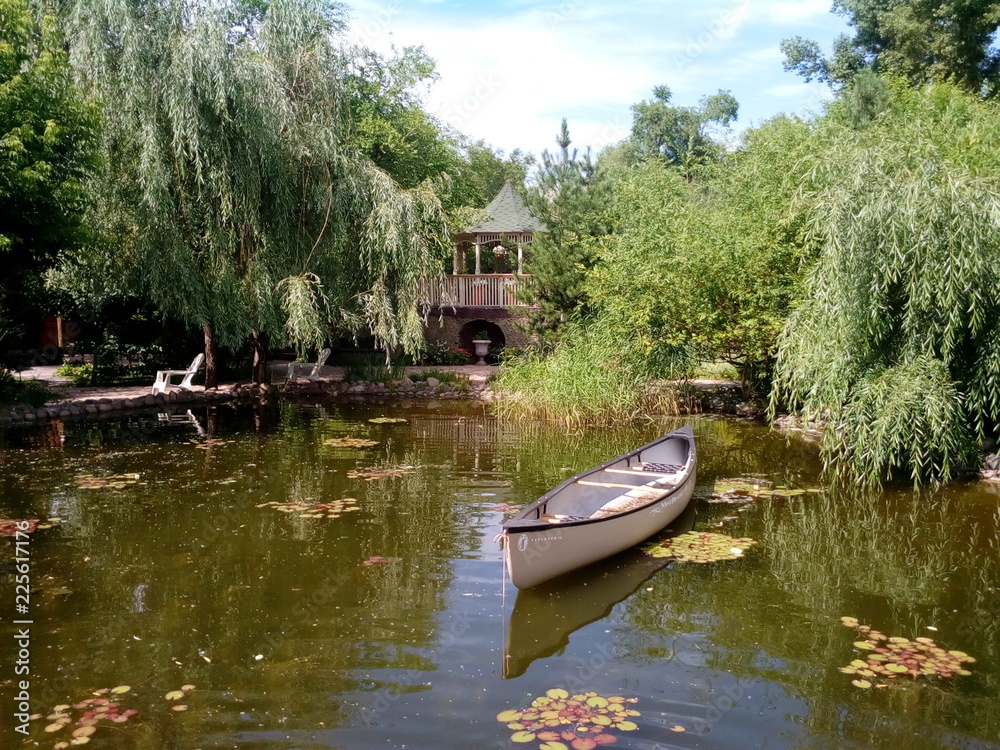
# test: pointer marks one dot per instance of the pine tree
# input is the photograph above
(572, 196)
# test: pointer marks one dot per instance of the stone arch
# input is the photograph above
(471, 328)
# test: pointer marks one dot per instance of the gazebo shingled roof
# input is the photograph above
(507, 215)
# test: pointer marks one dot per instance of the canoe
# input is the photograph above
(544, 617)
(601, 511)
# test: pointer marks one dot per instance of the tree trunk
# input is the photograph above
(211, 358)
(261, 374)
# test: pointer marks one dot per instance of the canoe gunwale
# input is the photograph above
(527, 525)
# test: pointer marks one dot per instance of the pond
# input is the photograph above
(235, 561)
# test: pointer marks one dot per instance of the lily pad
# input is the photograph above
(347, 442)
(329, 510)
(892, 657)
(699, 547)
(583, 720)
(381, 472)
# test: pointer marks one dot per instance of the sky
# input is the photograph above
(510, 70)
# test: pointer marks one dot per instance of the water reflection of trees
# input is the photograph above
(898, 561)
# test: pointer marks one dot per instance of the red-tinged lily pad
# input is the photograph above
(375, 560)
(328, 510)
(347, 442)
(583, 720)
(891, 657)
(372, 473)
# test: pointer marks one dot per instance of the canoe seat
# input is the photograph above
(632, 499)
(663, 468)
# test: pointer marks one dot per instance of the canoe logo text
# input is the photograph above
(522, 543)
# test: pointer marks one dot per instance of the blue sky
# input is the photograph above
(510, 70)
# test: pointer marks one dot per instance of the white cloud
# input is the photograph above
(508, 75)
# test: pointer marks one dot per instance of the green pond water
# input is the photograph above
(390, 625)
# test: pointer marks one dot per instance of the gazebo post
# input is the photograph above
(454, 260)
(478, 266)
(520, 260)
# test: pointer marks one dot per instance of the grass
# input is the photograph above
(587, 378)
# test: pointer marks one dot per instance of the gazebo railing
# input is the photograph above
(473, 290)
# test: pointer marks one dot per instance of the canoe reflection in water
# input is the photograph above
(545, 616)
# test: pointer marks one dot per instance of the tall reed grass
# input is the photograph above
(588, 377)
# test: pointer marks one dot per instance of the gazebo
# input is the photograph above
(485, 301)
(509, 220)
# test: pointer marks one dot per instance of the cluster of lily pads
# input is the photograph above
(584, 721)
(890, 657)
(348, 442)
(700, 547)
(742, 490)
(111, 482)
(204, 445)
(83, 719)
(10, 527)
(381, 472)
(387, 420)
(330, 510)
(177, 695)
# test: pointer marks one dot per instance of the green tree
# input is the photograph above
(709, 269)
(571, 196)
(233, 194)
(390, 125)
(680, 136)
(47, 147)
(897, 343)
(916, 40)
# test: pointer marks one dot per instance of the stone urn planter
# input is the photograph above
(482, 348)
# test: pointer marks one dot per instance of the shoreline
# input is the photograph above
(76, 403)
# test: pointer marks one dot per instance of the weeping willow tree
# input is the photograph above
(897, 344)
(231, 194)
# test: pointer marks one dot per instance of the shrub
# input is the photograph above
(440, 353)
(79, 374)
(16, 391)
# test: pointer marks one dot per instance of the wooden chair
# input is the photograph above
(295, 367)
(163, 377)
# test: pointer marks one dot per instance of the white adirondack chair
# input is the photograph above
(163, 377)
(294, 368)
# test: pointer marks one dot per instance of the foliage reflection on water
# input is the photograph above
(294, 642)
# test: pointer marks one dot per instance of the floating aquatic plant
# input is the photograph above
(387, 420)
(584, 720)
(743, 490)
(332, 509)
(204, 445)
(375, 560)
(700, 547)
(10, 527)
(112, 481)
(347, 442)
(176, 695)
(889, 657)
(381, 472)
(82, 720)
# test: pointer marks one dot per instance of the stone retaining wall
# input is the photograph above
(82, 408)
